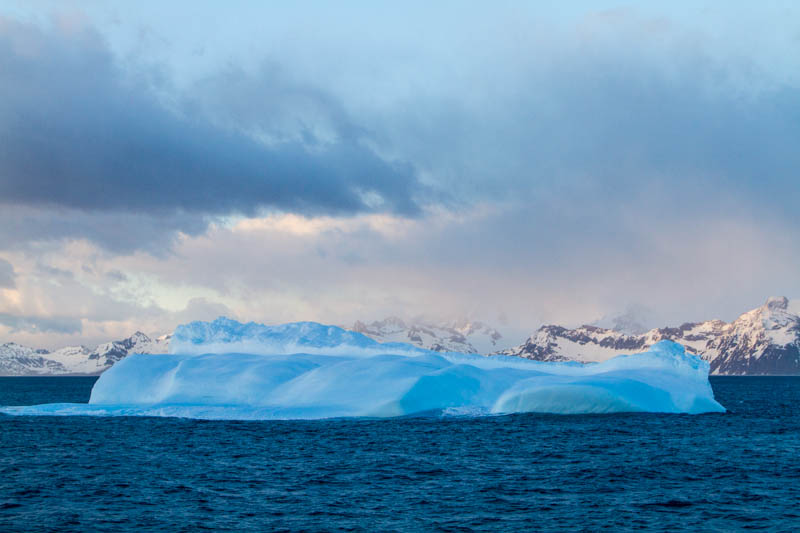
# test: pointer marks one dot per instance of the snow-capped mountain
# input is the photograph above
(18, 360)
(765, 340)
(456, 336)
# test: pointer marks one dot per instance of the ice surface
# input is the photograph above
(307, 370)
(224, 335)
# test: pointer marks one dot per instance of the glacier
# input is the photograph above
(228, 370)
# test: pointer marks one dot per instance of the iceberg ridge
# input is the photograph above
(224, 335)
(228, 370)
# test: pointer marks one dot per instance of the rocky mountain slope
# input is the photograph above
(763, 341)
(457, 336)
(18, 360)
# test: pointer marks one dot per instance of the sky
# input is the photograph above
(518, 163)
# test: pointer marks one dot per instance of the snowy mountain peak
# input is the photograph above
(777, 303)
(16, 359)
(774, 309)
(765, 340)
(771, 324)
(13, 347)
(137, 338)
(454, 336)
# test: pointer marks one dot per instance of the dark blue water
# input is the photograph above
(739, 470)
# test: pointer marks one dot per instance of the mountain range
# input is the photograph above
(763, 341)
(18, 360)
(456, 336)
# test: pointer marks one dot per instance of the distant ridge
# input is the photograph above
(18, 360)
(763, 341)
(456, 336)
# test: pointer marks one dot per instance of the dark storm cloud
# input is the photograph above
(117, 231)
(598, 137)
(7, 274)
(579, 135)
(76, 132)
(33, 324)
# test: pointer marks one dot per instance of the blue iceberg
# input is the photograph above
(227, 370)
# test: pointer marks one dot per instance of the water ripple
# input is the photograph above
(609, 472)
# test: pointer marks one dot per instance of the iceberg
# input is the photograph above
(228, 370)
(224, 335)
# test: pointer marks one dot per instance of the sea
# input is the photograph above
(716, 472)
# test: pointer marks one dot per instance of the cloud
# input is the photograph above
(554, 175)
(34, 324)
(618, 117)
(201, 309)
(7, 274)
(116, 275)
(118, 231)
(77, 132)
(601, 130)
